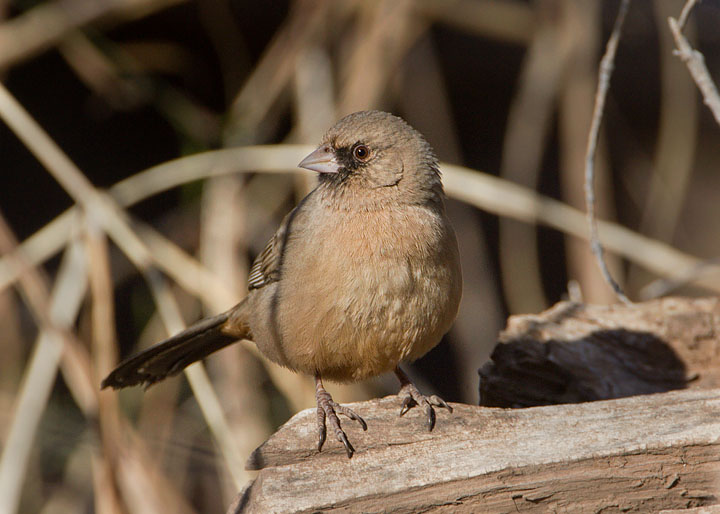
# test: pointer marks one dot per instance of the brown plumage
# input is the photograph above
(363, 274)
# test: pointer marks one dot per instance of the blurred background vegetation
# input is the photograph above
(505, 87)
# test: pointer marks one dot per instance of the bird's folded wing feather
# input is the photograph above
(266, 267)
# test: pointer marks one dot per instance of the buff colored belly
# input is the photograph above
(392, 305)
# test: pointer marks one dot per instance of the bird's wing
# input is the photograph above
(266, 268)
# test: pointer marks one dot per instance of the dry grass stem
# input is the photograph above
(106, 497)
(506, 199)
(581, 25)
(384, 32)
(261, 158)
(677, 138)
(104, 352)
(39, 247)
(222, 224)
(685, 13)
(698, 274)
(199, 382)
(486, 192)
(39, 376)
(695, 62)
(45, 25)
(97, 205)
(275, 69)
(672, 167)
(103, 209)
(527, 129)
(606, 67)
(509, 21)
(223, 239)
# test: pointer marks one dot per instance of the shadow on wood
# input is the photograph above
(575, 353)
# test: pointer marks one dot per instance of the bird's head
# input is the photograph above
(376, 153)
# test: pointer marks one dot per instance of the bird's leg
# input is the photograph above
(412, 397)
(328, 409)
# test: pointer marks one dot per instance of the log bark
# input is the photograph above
(636, 453)
(574, 352)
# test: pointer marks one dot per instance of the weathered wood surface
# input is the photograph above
(709, 509)
(642, 453)
(575, 352)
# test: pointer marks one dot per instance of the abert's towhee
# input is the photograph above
(364, 273)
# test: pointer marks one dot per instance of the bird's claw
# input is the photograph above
(413, 397)
(348, 447)
(328, 410)
(407, 404)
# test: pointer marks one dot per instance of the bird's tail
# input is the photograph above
(171, 356)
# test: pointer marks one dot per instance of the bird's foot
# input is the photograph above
(328, 409)
(413, 397)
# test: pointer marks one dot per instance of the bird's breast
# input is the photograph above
(371, 290)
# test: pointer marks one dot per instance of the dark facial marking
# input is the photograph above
(349, 159)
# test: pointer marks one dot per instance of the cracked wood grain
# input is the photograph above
(648, 452)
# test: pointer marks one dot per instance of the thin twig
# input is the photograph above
(104, 355)
(274, 71)
(695, 62)
(575, 104)
(62, 306)
(40, 246)
(39, 377)
(509, 21)
(685, 13)
(506, 199)
(606, 67)
(199, 381)
(675, 148)
(99, 206)
(664, 286)
(34, 287)
(388, 31)
(48, 23)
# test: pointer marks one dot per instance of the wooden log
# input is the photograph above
(574, 352)
(639, 452)
(643, 453)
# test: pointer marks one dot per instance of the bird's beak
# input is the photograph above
(321, 160)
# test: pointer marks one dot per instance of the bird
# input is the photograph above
(363, 274)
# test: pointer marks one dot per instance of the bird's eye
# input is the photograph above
(361, 153)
